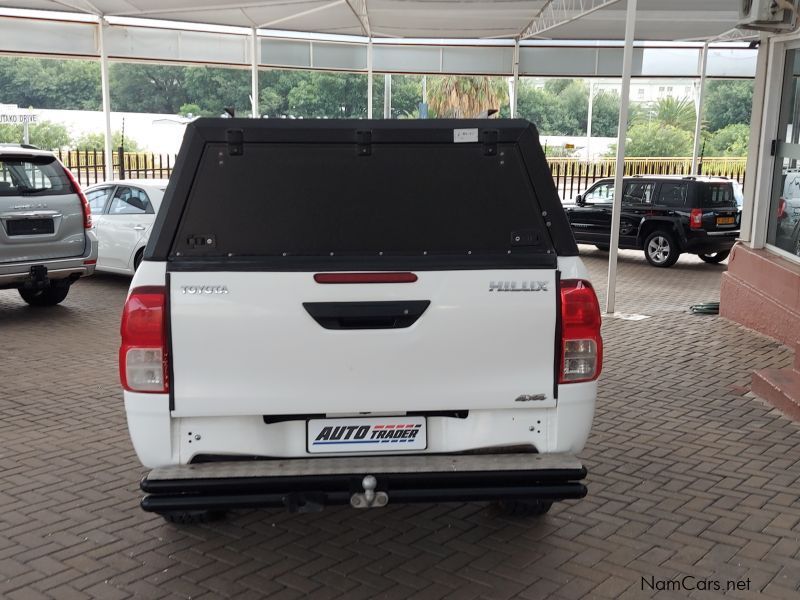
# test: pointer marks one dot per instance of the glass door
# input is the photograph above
(783, 225)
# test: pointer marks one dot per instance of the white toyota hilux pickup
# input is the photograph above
(362, 313)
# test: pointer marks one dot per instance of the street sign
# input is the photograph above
(17, 118)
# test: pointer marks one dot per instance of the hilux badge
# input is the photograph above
(518, 286)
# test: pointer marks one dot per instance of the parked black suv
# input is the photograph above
(664, 216)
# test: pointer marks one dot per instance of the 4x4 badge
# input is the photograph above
(518, 286)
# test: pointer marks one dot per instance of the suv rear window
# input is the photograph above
(32, 176)
(718, 195)
(409, 199)
(673, 194)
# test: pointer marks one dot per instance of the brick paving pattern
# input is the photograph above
(688, 475)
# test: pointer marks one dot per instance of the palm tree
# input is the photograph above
(677, 113)
(461, 97)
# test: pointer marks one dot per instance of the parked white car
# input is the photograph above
(123, 213)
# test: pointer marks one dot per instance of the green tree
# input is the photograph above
(674, 113)
(728, 102)
(97, 141)
(605, 114)
(147, 88)
(214, 89)
(332, 95)
(731, 140)
(44, 134)
(656, 139)
(190, 110)
(452, 96)
(406, 96)
(50, 83)
(539, 106)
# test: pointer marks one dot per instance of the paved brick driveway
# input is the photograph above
(688, 475)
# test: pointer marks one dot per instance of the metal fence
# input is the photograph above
(89, 165)
(571, 176)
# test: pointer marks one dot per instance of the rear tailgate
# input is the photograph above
(257, 350)
(720, 211)
(254, 332)
(41, 216)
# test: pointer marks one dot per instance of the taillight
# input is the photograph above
(143, 361)
(581, 343)
(781, 208)
(76, 187)
(696, 218)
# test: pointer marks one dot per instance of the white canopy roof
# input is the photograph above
(657, 20)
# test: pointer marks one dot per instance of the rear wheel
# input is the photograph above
(523, 507)
(53, 294)
(715, 257)
(661, 249)
(192, 517)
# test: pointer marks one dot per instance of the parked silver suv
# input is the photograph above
(46, 241)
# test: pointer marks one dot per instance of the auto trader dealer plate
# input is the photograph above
(378, 434)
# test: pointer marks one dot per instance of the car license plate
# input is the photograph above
(377, 434)
(29, 226)
(726, 220)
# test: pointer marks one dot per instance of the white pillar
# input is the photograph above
(589, 122)
(369, 79)
(515, 80)
(627, 61)
(109, 155)
(747, 231)
(254, 74)
(700, 97)
(387, 96)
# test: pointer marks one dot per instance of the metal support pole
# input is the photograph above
(589, 122)
(699, 108)
(387, 96)
(369, 79)
(515, 80)
(627, 60)
(254, 73)
(108, 156)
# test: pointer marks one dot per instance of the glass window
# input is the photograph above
(719, 195)
(130, 201)
(40, 176)
(783, 227)
(602, 193)
(97, 199)
(638, 192)
(672, 194)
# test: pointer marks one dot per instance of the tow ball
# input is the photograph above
(370, 498)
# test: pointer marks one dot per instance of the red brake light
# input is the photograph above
(143, 360)
(76, 187)
(581, 343)
(365, 277)
(696, 218)
(781, 208)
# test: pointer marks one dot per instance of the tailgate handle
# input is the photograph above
(366, 315)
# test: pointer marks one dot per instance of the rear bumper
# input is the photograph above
(310, 484)
(18, 273)
(710, 242)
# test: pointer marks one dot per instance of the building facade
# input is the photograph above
(761, 288)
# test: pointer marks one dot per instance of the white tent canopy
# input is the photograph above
(656, 20)
(503, 21)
